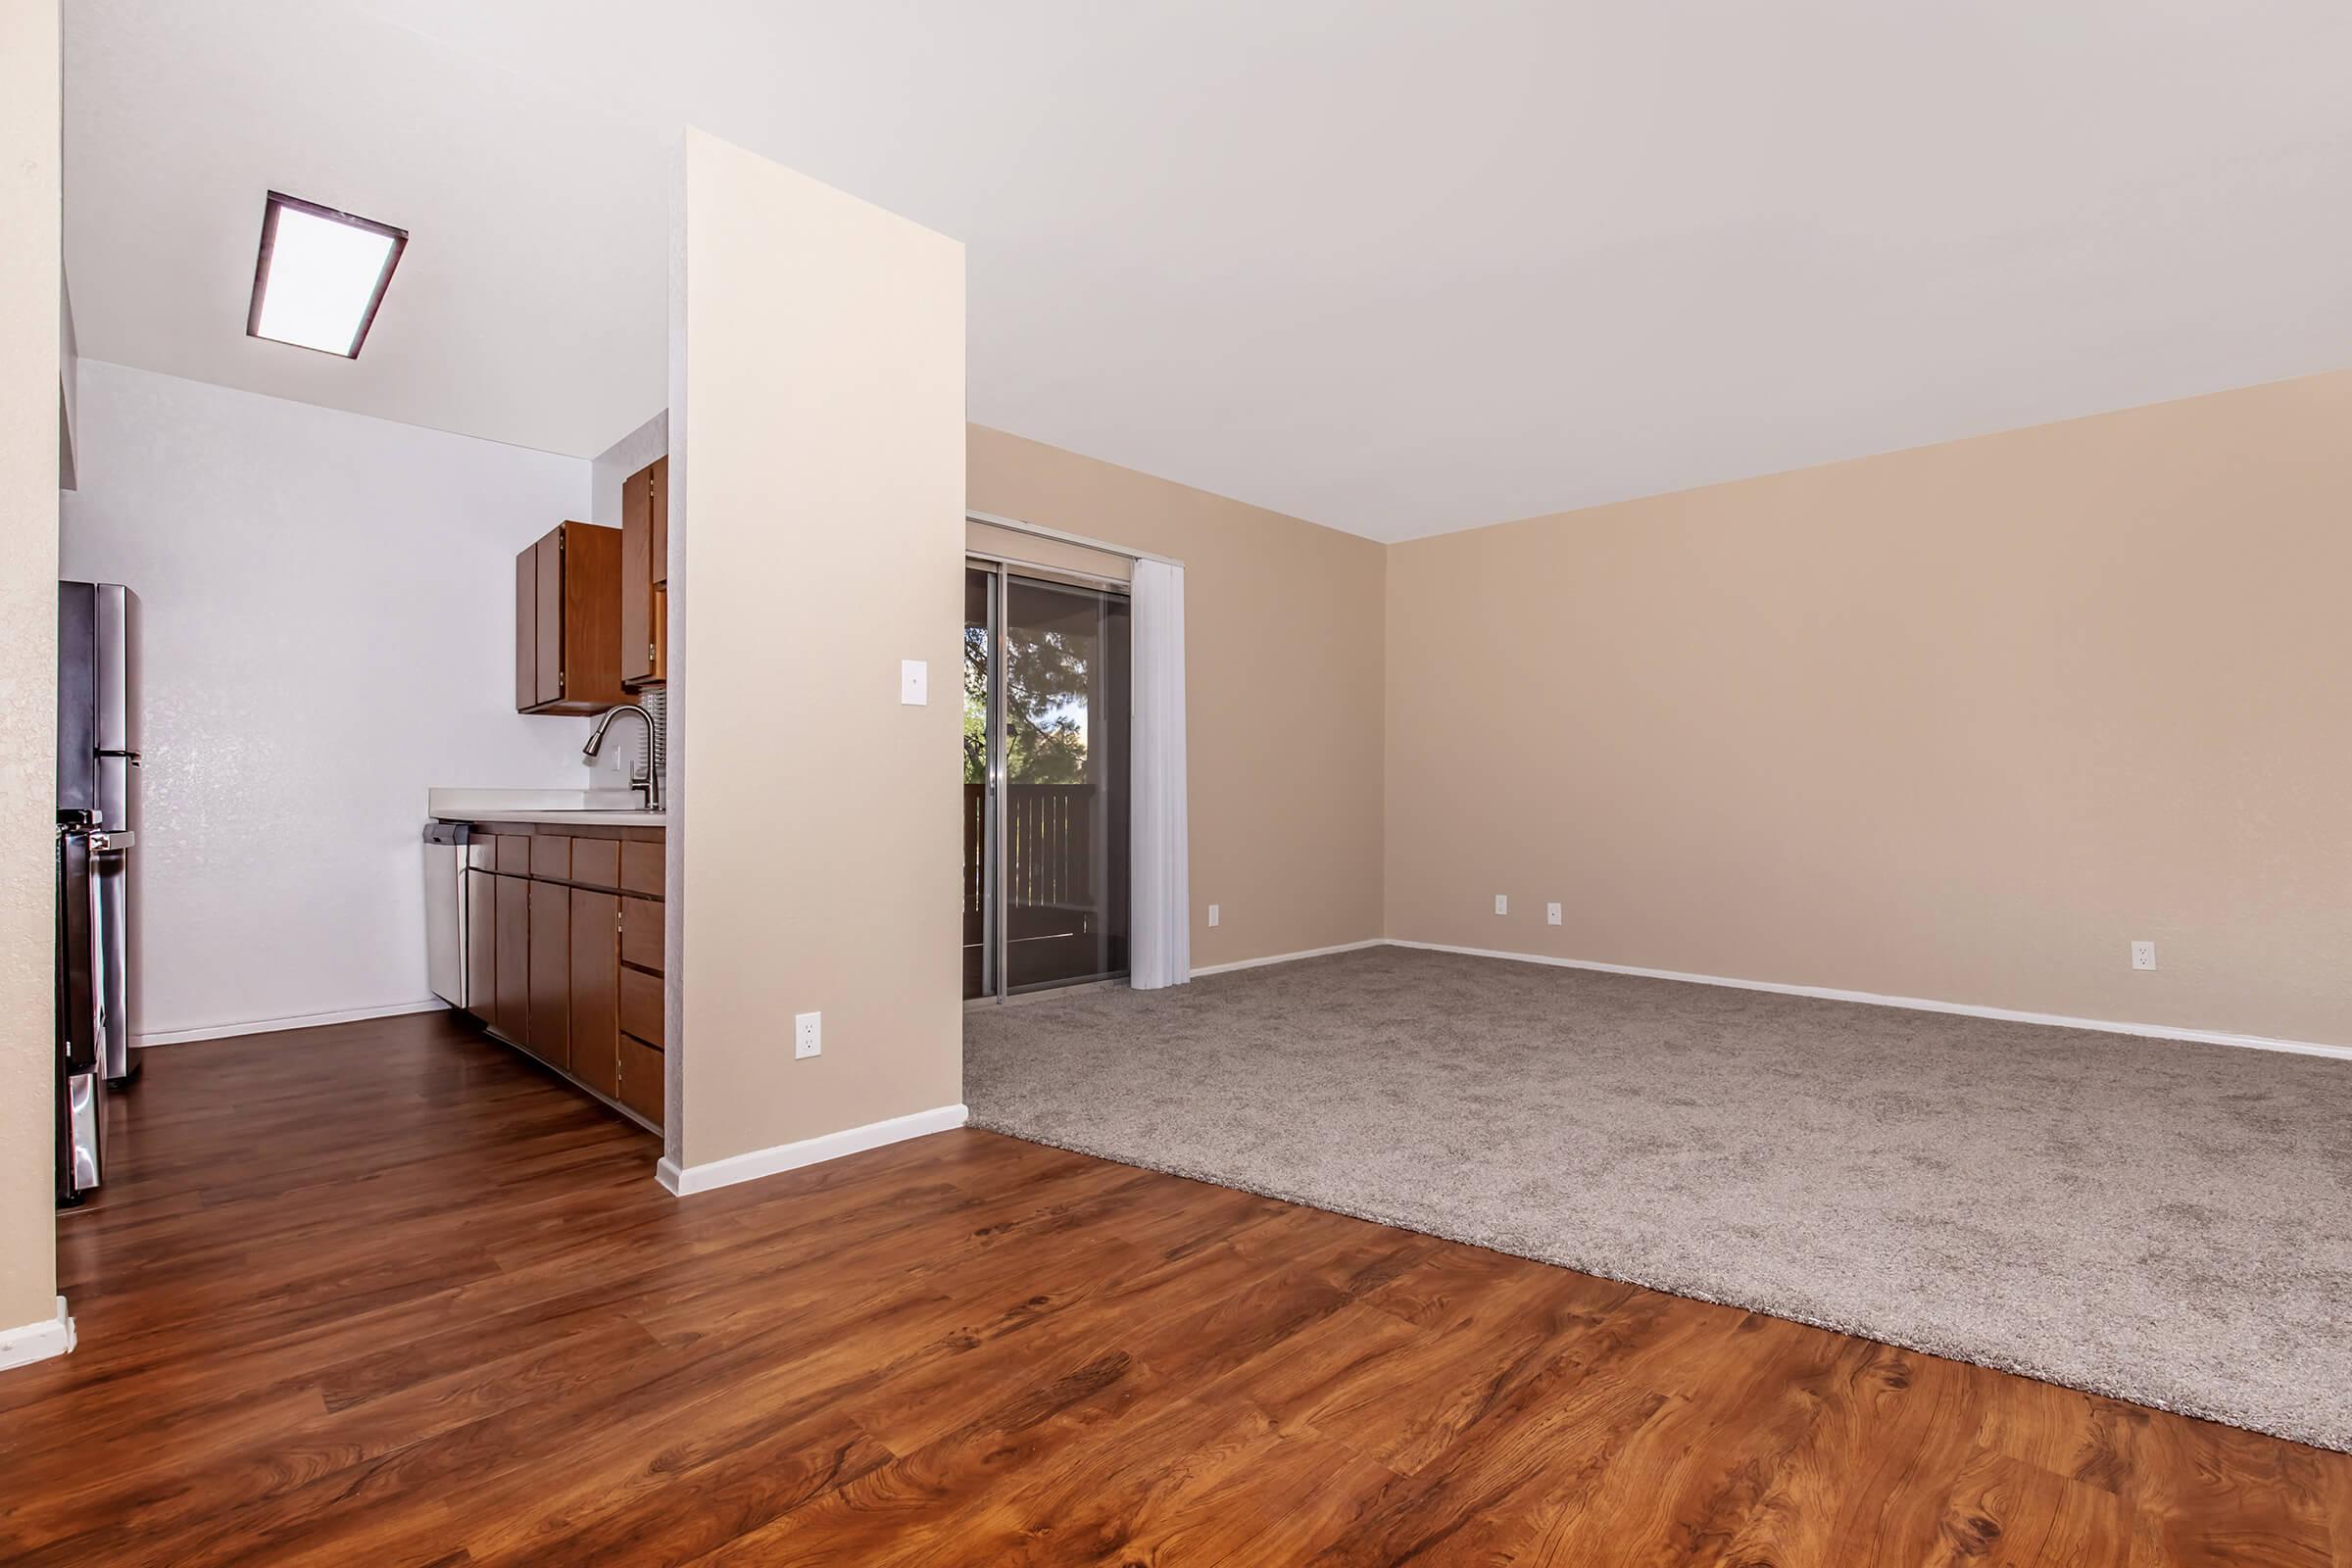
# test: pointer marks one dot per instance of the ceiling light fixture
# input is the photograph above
(320, 275)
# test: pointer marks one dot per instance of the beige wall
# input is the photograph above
(817, 540)
(28, 475)
(1282, 695)
(1955, 723)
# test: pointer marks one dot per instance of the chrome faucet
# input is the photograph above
(647, 777)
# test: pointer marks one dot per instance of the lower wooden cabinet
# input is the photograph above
(595, 992)
(641, 1006)
(511, 1003)
(482, 942)
(642, 1082)
(551, 974)
(563, 956)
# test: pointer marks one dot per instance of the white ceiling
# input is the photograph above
(531, 305)
(1397, 268)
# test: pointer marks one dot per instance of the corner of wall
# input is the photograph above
(31, 397)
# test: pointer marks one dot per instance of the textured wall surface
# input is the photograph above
(327, 609)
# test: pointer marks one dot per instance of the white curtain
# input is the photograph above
(1161, 924)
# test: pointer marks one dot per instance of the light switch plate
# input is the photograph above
(914, 682)
(1502, 904)
(808, 1035)
(1212, 915)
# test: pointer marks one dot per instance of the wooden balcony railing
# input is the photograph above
(1049, 846)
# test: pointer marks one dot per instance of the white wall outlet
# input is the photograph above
(2144, 955)
(808, 1035)
(1212, 915)
(1502, 904)
(914, 682)
(1552, 914)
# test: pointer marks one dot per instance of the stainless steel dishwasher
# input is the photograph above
(445, 909)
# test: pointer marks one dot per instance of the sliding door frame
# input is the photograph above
(996, 892)
(995, 970)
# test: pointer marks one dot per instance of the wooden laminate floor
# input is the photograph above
(385, 1294)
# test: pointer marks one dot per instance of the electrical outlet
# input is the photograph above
(2144, 955)
(808, 1035)
(1552, 914)
(1212, 915)
(1502, 904)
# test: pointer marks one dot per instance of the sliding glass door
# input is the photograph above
(1047, 681)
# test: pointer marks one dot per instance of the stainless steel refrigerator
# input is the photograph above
(97, 826)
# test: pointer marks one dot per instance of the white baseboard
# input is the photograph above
(37, 1342)
(807, 1152)
(1287, 957)
(2151, 1031)
(264, 1026)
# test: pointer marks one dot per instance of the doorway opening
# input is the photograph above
(1047, 688)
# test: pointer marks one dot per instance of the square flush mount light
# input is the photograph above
(320, 275)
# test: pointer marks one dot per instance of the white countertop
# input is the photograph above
(602, 807)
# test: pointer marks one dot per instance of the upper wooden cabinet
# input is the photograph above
(645, 575)
(568, 613)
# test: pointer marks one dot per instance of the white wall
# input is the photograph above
(328, 613)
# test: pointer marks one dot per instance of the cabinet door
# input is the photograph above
(657, 506)
(551, 973)
(547, 627)
(596, 991)
(592, 595)
(636, 580)
(511, 1016)
(526, 630)
(481, 942)
(568, 614)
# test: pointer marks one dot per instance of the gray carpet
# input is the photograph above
(2167, 1223)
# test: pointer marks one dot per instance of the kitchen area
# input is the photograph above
(543, 908)
(408, 592)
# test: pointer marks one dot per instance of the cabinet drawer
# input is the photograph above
(641, 867)
(641, 1006)
(513, 854)
(641, 1079)
(551, 856)
(596, 861)
(641, 932)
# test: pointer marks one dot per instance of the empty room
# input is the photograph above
(1189, 784)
